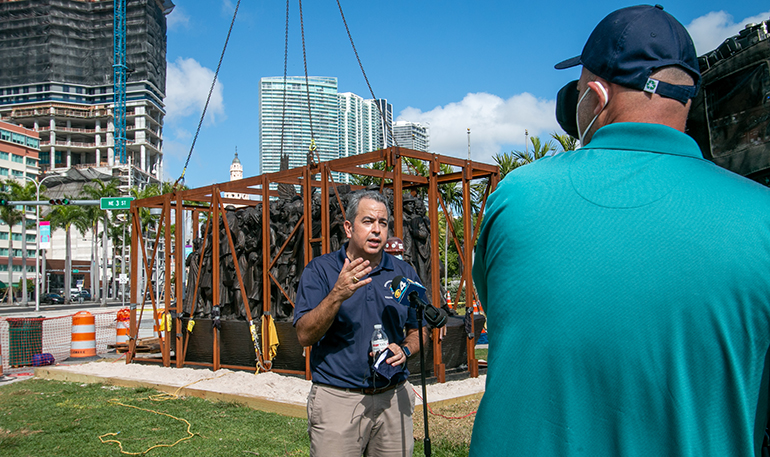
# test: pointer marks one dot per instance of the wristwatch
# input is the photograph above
(407, 352)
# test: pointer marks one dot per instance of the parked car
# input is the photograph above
(54, 299)
(85, 294)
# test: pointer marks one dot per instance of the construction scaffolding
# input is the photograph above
(209, 200)
(71, 41)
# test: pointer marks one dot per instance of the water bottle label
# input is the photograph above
(379, 346)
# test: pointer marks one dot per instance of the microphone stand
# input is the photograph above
(426, 441)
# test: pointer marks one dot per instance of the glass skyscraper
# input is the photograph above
(362, 127)
(296, 121)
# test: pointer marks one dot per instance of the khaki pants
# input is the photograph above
(344, 423)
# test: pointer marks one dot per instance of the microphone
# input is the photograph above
(411, 293)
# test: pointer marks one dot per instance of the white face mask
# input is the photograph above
(581, 135)
(399, 256)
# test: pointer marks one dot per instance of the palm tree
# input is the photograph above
(567, 143)
(10, 216)
(362, 180)
(539, 150)
(506, 162)
(63, 217)
(26, 192)
(509, 161)
(97, 190)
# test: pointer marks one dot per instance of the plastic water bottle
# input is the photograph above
(379, 340)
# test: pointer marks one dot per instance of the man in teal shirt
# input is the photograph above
(627, 283)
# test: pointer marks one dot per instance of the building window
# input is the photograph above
(31, 253)
(31, 162)
(17, 173)
(4, 253)
(17, 158)
(3, 172)
(4, 155)
(17, 237)
(33, 142)
(18, 138)
(3, 235)
(5, 135)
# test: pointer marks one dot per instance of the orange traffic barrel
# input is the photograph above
(123, 323)
(83, 335)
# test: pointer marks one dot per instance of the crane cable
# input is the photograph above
(312, 149)
(371, 91)
(409, 165)
(285, 71)
(208, 98)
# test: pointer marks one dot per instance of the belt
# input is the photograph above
(364, 390)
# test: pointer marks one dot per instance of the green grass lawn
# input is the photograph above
(54, 418)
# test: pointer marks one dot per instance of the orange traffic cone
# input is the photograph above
(449, 300)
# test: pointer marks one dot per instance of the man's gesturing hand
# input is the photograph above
(352, 276)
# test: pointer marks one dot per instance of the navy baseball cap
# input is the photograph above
(631, 43)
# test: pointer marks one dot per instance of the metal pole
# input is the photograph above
(469, 144)
(37, 252)
(123, 266)
(526, 142)
(446, 253)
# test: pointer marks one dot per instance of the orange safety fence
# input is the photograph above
(23, 337)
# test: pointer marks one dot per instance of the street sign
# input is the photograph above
(76, 270)
(115, 202)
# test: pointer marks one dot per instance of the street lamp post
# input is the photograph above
(37, 252)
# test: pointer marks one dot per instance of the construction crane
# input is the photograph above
(119, 79)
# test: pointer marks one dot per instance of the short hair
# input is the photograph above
(355, 198)
(673, 74)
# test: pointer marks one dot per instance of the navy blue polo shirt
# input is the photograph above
(341, 357)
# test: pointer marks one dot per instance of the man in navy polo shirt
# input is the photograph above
(646, 326)
(352, 410)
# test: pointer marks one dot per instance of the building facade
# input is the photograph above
(236, 173)
(363, 126)
(56, 79)
(412, 135)
(19, 154)
(287, 128)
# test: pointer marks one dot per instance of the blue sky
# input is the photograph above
(483, 65)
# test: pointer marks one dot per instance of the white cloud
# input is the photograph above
(495, 123)
(711, 30)
(187, 86)
(178, 19)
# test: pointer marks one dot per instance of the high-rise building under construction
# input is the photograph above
(56, 78)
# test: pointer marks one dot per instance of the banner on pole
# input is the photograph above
(45, 235)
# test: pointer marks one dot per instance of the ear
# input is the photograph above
(600, 88)
(348, 228)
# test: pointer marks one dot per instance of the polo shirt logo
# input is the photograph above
(388, 293)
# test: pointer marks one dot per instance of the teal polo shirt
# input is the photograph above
(627, 290)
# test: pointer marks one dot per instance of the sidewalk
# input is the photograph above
(46, 310)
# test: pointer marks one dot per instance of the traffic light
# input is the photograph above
(59, 201)
(3, 202)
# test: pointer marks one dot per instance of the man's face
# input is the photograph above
(368, 231)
